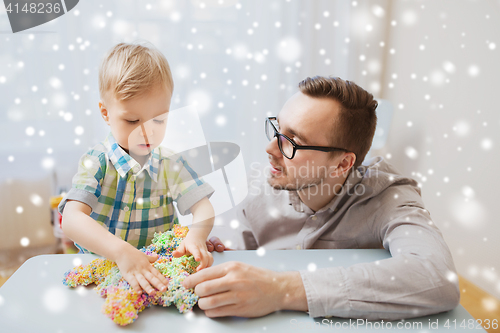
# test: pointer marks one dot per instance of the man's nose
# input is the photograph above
(273, 149)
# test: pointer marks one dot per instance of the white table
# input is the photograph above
(34, 299)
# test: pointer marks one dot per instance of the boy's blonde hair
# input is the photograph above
(129, 70)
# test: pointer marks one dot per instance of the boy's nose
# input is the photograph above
(146, 130)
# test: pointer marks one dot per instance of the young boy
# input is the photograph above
(124, 188)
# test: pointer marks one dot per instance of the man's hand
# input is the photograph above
(135, 267)
(215, 244)
(198, 248)
(238, 289)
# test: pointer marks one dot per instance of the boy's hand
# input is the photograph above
(135, 267)
(215, 244)
(198, 248)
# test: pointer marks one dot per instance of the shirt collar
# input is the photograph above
(124, 163)
(354, 178)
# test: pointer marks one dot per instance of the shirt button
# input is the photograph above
(314, 217)
(136, 169)
(125, 209)
(155, 202)
(298, 247)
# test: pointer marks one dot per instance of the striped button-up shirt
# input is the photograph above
(131, 201)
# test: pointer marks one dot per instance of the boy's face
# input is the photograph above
(138, 125)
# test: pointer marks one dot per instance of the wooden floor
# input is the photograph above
(479, 303)
(2, 280)
(476, 301)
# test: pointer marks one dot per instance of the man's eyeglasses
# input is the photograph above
(286, 145)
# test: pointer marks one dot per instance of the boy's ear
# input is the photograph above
(104, 112)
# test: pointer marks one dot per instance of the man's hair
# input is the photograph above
(357, 120)
(129, 70)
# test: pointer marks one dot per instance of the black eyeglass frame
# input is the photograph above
(294, 145)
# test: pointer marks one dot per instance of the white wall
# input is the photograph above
(455, 131)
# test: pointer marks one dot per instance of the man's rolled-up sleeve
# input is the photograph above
(420, 278)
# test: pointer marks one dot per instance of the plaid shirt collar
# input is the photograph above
(124, 163)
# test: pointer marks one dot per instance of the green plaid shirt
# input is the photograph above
(131, 201)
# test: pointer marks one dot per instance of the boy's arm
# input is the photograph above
(133, 264)
(203, 219)
(81, 228)
(195, 242)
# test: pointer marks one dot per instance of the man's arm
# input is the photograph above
(238, 289)
(420, 278)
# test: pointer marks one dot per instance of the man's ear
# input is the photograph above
(345, 164)
(104, 112)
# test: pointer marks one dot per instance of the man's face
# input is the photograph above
(138, 125)
(307, 121)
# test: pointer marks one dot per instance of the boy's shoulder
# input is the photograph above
(96, 157)
(173, 161)
(164, 153)
(98, 150)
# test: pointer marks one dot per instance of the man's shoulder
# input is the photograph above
(387, 184)
(378, 164)
(380, 174)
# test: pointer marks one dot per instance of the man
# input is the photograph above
(318, 195)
